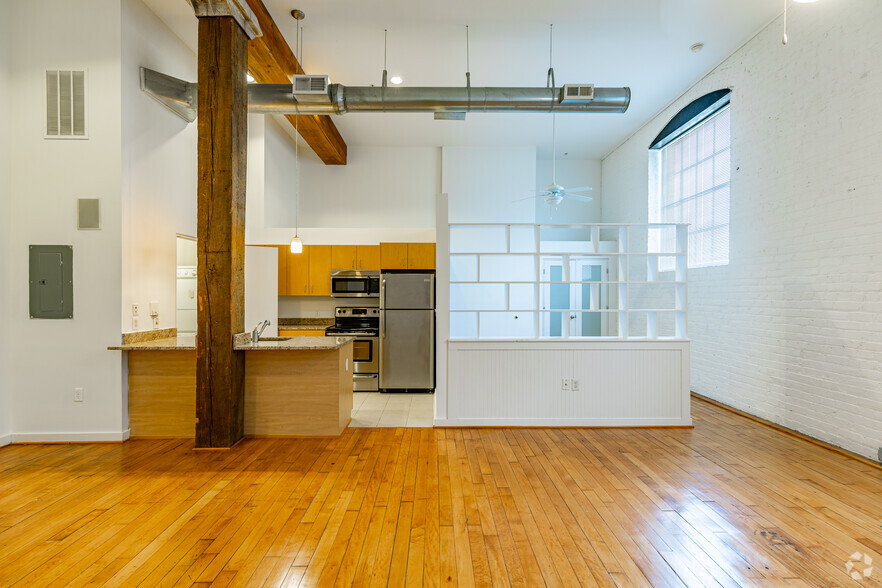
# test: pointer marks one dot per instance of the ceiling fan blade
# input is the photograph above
(578, 197)
(580, 189)
(528, 198)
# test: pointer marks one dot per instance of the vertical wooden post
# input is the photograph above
(223, 138)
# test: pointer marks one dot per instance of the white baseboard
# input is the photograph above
(88, 437)
(5, 440)
(564, 422)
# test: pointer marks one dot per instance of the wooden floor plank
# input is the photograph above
(728, 503)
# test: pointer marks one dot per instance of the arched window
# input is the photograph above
(690, 169)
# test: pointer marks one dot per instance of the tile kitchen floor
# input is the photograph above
(372, 409)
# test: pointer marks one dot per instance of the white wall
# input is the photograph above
(5, 238)
(381, 194)
(790, 329)
(158, 167)
(570, 173)
(489, 184)
(51, 357)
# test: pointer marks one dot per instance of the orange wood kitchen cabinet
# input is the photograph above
(298, 272)
(319, 270)
(420, 256)
(283, 269)
(344, 257)
(393, 256)
(368, 258)
(407, 255)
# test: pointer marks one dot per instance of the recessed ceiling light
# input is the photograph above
(697, 47)
(805, 1)
(249, 78)
(396, 80)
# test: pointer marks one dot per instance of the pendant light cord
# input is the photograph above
(297, 143)
(784, 38)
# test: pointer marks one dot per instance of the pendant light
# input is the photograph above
(296, 242)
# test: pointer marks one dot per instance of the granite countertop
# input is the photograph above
(188, 343)
(296, 343)
(305, 324)
(178, 343)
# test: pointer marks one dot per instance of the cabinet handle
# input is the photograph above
(304, 288)
(312, 288)
(411, 262)
(403, 262)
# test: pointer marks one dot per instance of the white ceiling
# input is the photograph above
(643, 44)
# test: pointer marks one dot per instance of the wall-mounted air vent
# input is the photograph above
(66, 104)
(576, 93)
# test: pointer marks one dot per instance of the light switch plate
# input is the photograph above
(135, 323)
(154, 308)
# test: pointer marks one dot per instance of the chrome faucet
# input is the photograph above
(258, 331)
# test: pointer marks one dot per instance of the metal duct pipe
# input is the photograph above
(179, 96)
(278, 99)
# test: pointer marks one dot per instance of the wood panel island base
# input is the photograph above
(294, 388)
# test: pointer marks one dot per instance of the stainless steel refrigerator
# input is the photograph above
(407, 331)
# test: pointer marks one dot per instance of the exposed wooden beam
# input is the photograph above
(271, 61)
(222, 153)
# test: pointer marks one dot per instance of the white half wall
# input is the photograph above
(790, 329)
(158, 168)
(570, 173)
(5, 237)
(610, 384)
(52, 357)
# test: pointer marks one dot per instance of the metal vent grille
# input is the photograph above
(66, 104)
(310, 84)
(578, 93)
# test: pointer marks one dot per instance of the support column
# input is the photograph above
(223, 138)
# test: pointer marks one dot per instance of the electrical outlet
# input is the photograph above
(575, 385)
(136, 309)
(136, 323)
(78, 394)
(565, 384)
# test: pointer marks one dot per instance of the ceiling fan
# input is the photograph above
(554, 193)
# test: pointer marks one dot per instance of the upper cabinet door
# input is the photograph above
(283, 269)
(420, 256)
(298, 272)
(319, 270)
(393, 256)
(368, 258)
(343, 257)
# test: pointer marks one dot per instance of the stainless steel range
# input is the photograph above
(364, 325)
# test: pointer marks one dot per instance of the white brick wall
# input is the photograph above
(791, 329)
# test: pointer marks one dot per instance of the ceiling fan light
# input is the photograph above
(296, 245)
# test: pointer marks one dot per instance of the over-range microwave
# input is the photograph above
(349, 284)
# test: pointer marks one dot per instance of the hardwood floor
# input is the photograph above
(729, 503)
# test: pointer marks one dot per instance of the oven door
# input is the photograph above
(366, 355)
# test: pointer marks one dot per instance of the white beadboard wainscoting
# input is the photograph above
(519, 383)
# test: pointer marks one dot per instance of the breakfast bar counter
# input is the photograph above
(294, 387)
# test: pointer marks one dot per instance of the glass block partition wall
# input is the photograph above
(568, 281)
